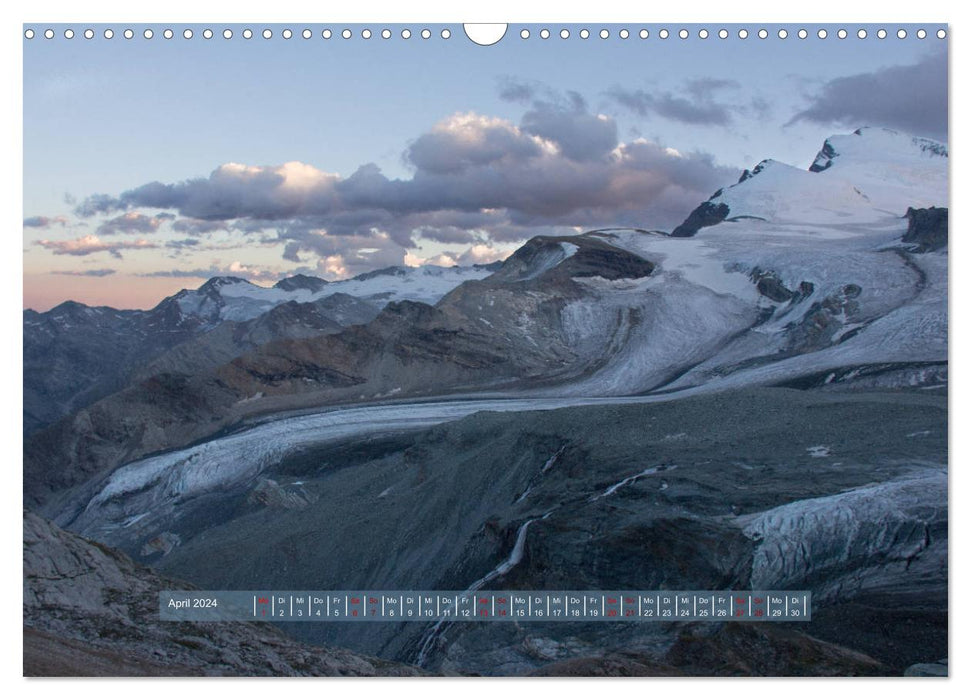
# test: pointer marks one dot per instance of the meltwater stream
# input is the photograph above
(430, 639)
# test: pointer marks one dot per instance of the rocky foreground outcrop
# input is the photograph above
(89, 610)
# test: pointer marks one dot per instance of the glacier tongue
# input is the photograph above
(882, 530)
(150, 489)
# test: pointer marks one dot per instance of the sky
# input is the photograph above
(152, 165)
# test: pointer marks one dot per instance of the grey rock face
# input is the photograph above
(568, 257)
(230, 339)
(926, 228)
(290, 284)
(76, 354)
(706, 214)
(824, 159)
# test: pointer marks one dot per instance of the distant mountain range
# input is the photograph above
(76, 354)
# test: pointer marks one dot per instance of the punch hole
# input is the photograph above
(426, 34)
(821, 34)
(365, 34)
(49, 34)
(584, 33)
(722, 33)
(287, 34)
(326, 34)
(488, 34)
(783, 33)
(604, 33)
(68, 33)
(306, 34)
(564, 33)
(129, 34)
(861, 34)
(643, 34)
(881, 34)
(624, 33)
(148, 34)
(446, 33)
(841, 33)
(247, 33)
(227, 33)
(524, 34)
(168, 33)
(109, 33)
(743, 34)
(901, 33)
(187, 34)
(29, 34)
(385, 33)
(921, 34)
(405, 33)
(663, 34)
(763, 34)
(703, 34)
(941, 34)
(544, 34)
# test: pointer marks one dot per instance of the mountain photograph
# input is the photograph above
(665, 322)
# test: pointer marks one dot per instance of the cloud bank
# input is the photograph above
(912, 98)
(88, 245)
(475, 181)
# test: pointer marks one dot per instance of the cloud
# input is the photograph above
(579, 135)
(231, 191)
(475, 180)
(44, 221)
(88, 245)
(515, 90)
(103, 272)
(912, 97)
(703, 88)
(181, 243)
(561, 119)
(700, 110)
(233, 269)
(197, 227)
(470, 140)
(96, 204)
(132, 222)
(479, 254)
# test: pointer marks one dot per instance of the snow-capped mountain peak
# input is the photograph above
(875, 144)
(860, 177)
